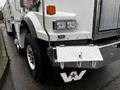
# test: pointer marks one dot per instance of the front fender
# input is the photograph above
(33, 23)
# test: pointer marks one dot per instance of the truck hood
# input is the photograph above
(83, 9)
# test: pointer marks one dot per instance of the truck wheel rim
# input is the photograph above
(17, 44)
(30, 57)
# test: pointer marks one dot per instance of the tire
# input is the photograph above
(34, 56)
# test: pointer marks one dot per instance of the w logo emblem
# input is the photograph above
(73, 76)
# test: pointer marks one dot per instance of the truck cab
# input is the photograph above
(73, 35)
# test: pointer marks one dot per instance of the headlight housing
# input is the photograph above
(64, 25)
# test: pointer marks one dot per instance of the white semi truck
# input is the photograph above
(70, 36)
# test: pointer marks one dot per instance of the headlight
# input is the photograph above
(59, 25)
(71, 24)
(64, 25)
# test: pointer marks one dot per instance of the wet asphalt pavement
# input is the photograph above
(19, 78)
(8, 84)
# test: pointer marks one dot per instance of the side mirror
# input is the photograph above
(26, 3)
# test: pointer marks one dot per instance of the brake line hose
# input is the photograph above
(43, 8)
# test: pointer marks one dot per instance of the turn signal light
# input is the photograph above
(51, 10)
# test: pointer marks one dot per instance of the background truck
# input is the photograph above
(69, 36)
(1, 15)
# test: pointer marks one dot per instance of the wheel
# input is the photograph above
(19, 49)
(16, 41)
(34, 58)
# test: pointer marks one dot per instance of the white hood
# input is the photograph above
(83, 9)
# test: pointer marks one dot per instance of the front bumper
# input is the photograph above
(109, 53)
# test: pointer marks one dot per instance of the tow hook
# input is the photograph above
(94, 63)
(62, 65)
(79, 64)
